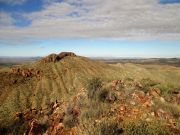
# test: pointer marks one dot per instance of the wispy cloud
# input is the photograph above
(118, 19)
(13, 2)
(5, 19)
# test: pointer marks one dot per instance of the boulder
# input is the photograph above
(163, 114)
(155, 92)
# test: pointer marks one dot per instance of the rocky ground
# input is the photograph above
(127, 102)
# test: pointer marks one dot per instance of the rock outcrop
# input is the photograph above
(57, 57)
(26, 72)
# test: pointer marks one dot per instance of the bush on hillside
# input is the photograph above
(108, 96)
(94, 85)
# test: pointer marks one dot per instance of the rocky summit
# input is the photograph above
(66, 94)
(57, 57)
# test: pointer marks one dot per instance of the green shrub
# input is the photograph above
(94, 85)
(111, 128)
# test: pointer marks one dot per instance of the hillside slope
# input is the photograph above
(64, 86)
(57, 81)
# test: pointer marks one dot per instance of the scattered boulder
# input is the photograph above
(155, 92)
(116, 83)
(163, 114)
(140, 98)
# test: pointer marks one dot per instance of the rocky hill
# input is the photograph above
(69, 94)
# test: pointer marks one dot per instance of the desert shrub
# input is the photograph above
(94, 85)
(71, 121)
(103, 94)
(111, 128)
(134, 128)
(107, 96)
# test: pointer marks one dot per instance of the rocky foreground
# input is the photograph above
(125, 106)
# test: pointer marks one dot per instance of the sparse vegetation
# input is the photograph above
(101, 106)
(134, 128)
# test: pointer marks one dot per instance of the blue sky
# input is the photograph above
(100, 28)
(98, 48)
(169, 1)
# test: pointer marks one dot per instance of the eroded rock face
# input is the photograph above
(57, 57)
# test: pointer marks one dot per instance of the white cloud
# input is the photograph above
(5, 19)
(13, 2)
(118, 19)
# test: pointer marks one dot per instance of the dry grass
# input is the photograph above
(64, 79)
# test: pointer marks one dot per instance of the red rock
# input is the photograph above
(35, 128)
(59, 129)
(57, 57)
(155, 92)
(163, 115)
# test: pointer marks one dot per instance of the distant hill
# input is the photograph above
(159, 61)
(9, 61)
